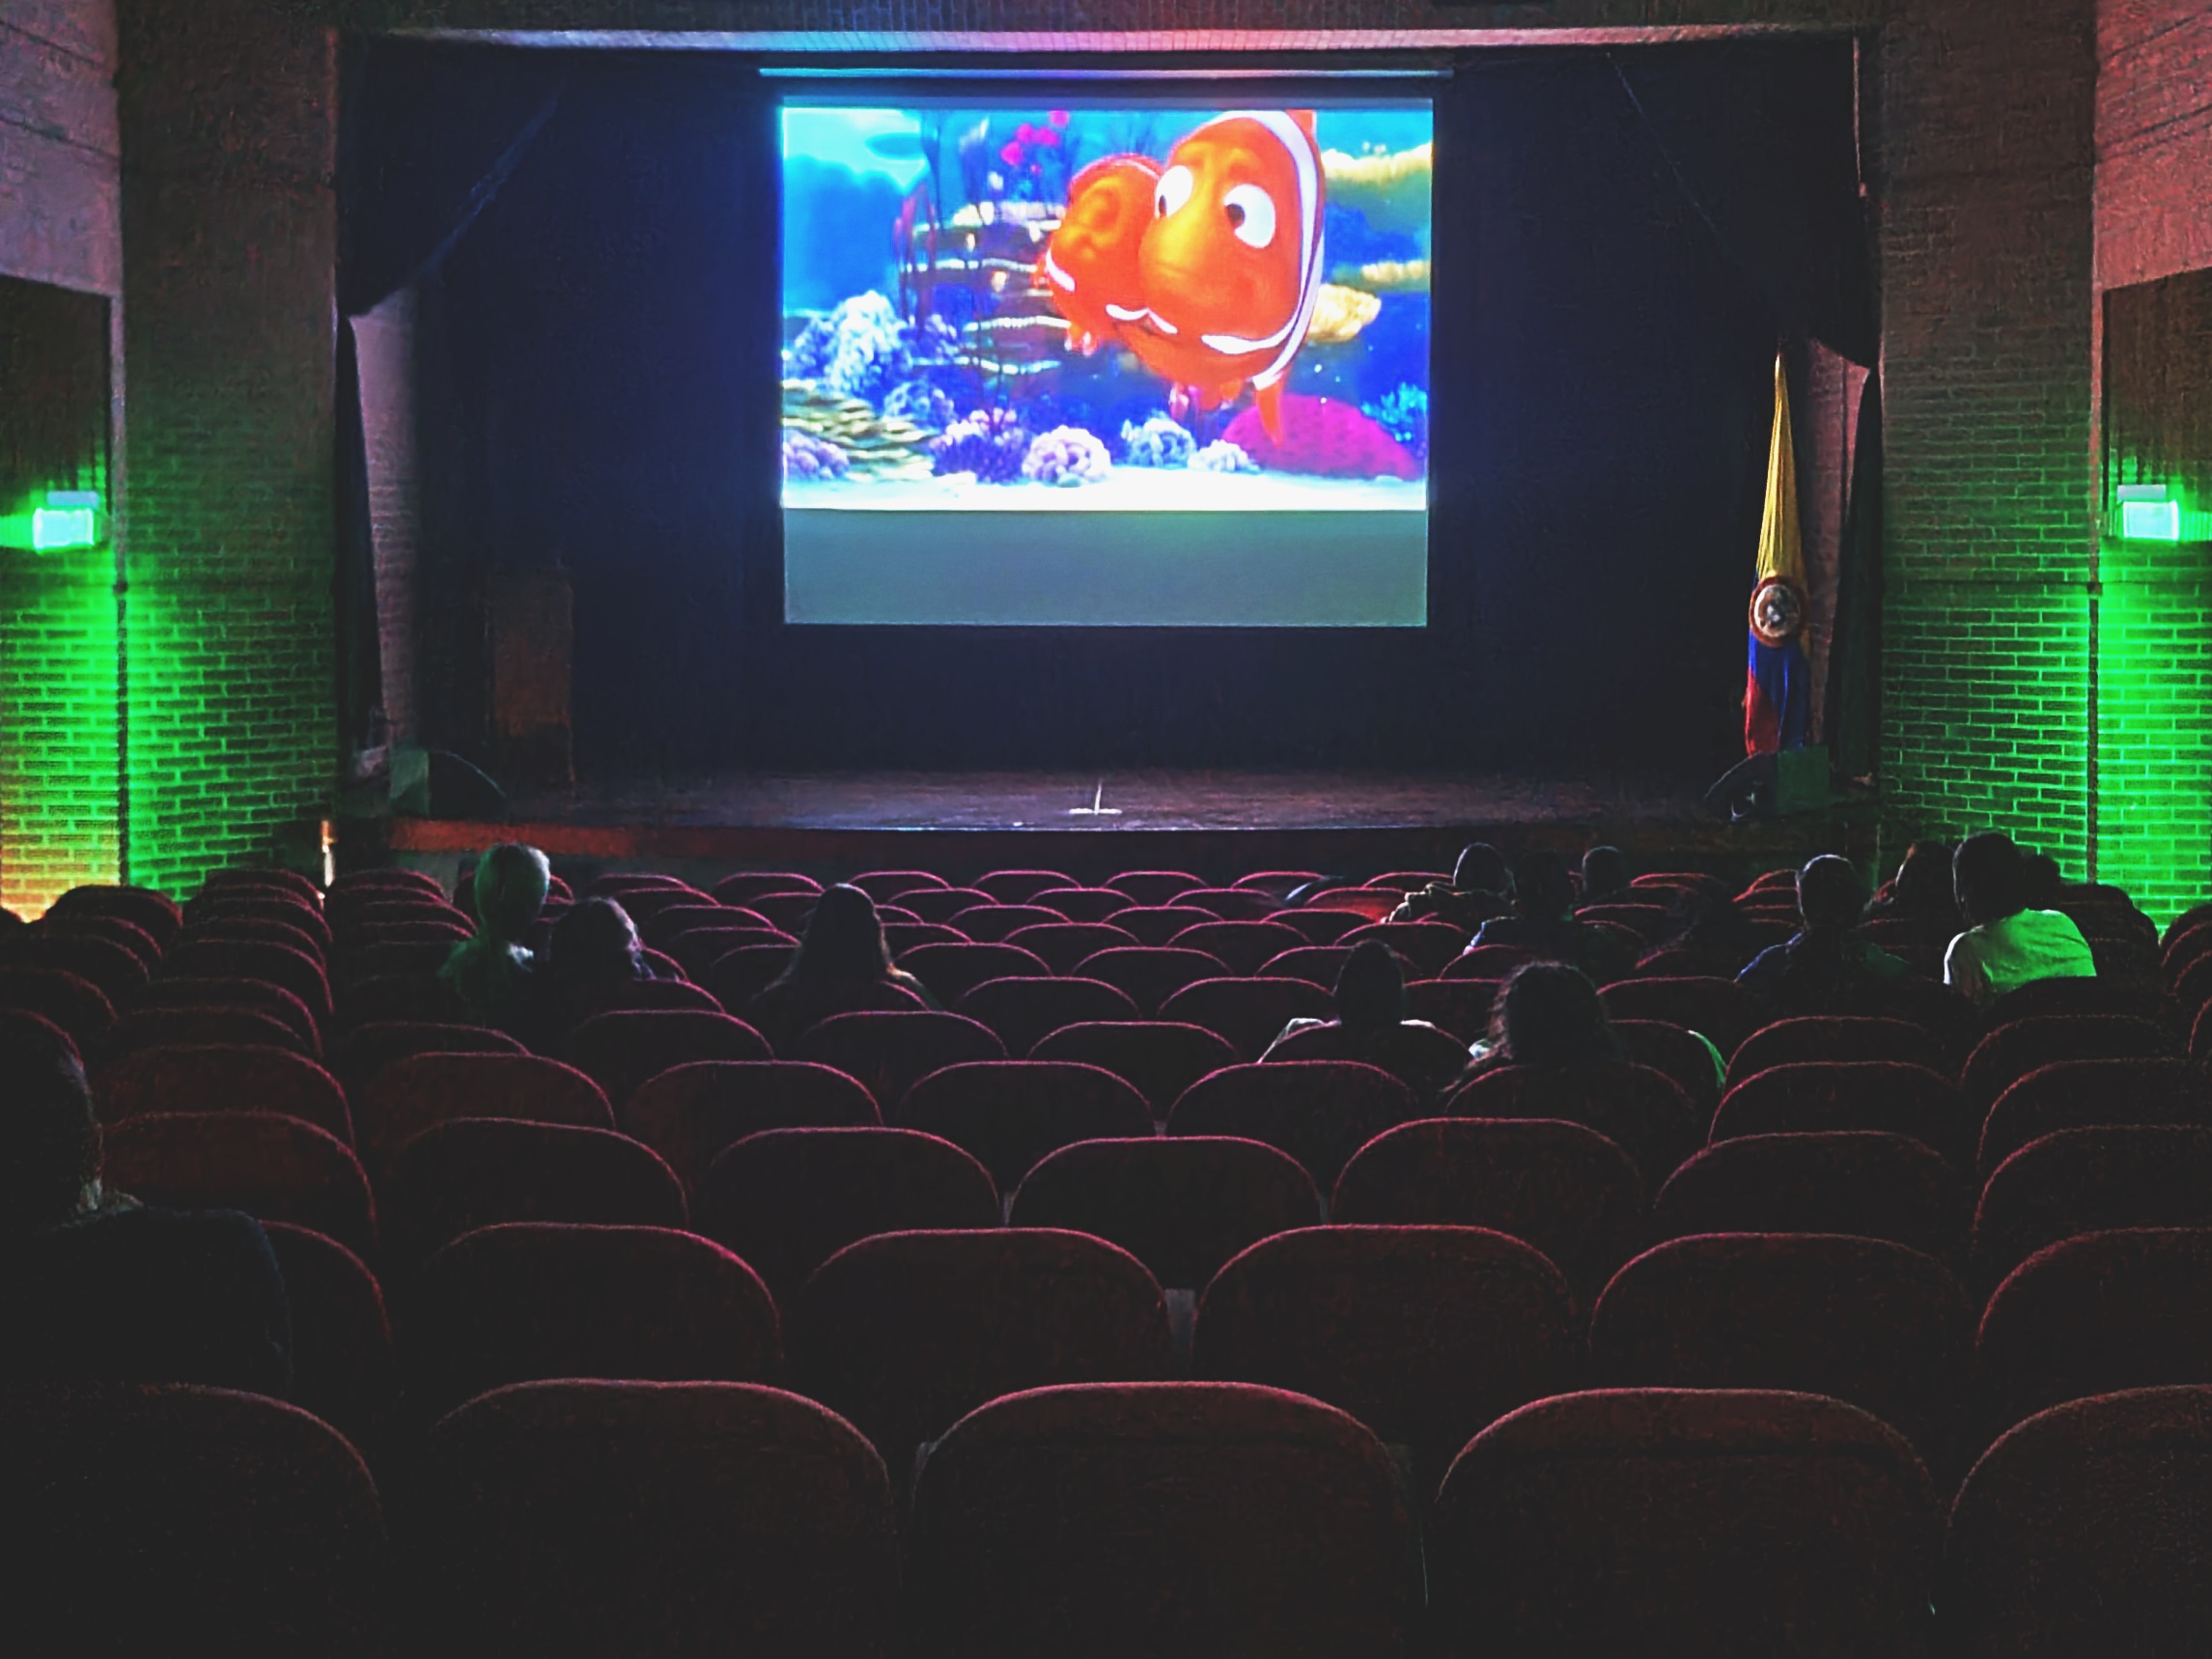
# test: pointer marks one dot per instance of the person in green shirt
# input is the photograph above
(2007, 943)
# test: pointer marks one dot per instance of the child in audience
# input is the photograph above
(490, 972)
(1830, 966)
(1605, 876)
(1371, 1026)
(843, 966)
(2007, 942)
(593, 953)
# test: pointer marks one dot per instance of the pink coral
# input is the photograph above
(1325, 439)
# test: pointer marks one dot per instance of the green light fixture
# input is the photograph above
(2150, 513)
(69, 518)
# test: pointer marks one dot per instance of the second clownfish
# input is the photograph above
(1089, 266)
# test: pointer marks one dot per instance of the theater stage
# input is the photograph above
(1216, 824)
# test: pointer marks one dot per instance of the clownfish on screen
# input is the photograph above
(1206, 268)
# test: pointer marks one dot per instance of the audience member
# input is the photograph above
(1543, 921)
(593, 953)
(1371, 1026)
(1921, 890)
(1605, 876)
(1713, 939)
(95, 1287)
(1547, 1014)
(2007, 944)
(843, 966)
(1830, 966)
(1480, 888)
(491, 972)
(2045, 879)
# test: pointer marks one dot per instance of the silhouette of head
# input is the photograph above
(1371, 987)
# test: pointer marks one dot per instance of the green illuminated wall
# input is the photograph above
(58, 753)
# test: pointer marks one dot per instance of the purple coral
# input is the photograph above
(989, 444)
(922, 403)
(1067, 455)
(806, 456)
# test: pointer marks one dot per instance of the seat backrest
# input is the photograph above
(186, 1520)
(1680, 1053)
(1153, 886)
(2074, 1094)
(1642, 1111)
(2090, 1180)
(1851, 1095)
(415, 999)
(1242, 945)
(745, 886)
(1425, 1059)
(1248, 1013)
(1718, 1009)
(789, 1199)
(367, 1049)
(2085, 995)
(942, 904)
(1319, 1112)
(1624, 1521)
(1010, 1113)
(238, 959)
(531, 1300)
(2010, 1051)
(622, 1049)
(1831, 1037)
(597, 1517)
(78, 1006)
(1017, 887)
(689, 1113)
(1321, 926)
(1081, 904)
(992, 923)
(1157, 1057)
(1564, 1188)
(421, 1091)
(2084, 1532)
(1182, 1206)
(905, 1334)
(343, 1367)
(115, 968)
(154, 914)
(1461, 1006)
(257, 995)
(1493, 962)
(1425, 1334)
(1062, 944)
(1156, 924)
(1149, 974)
(1863, 1182)
(481, 1171)
(1427, 945)
(1316, 963)
(215, 1076)
(1023, 1012)
(187, 1027)
(275, 1168)
(952, 970)
(889, 1053)
(1168, 1518)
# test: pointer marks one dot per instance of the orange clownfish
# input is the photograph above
(1231, 265)
(1089, 266)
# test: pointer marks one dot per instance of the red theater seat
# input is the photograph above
(1176, 1519)
(289, 882)
(1373, 903)
(214, 1078)
(1315, 963)
(2074, 1094)
(381, 961)
(1648, 923)
(1642, 1111)
(785, 910)
(1149, 974)
(938, 904)
(1862, 1182)
(1231, 903)
(1157, 924)
(1796, 1042)
(1718, 1009)
(746, 885)
(952, 970)
(691, 1113)
(889, 1054)
(368, 1050)
(290, 909)
(1019, 886)
(2090, 1180)
(2010, 1053)
(1683, 1056)
(1426, 1062)
(1639, 1521)
(1081, 904)
(275, 1168)
(1154, 887)
(621, 1051)
(116, 971)
(1160, 1060)
(421, 1091)
(412, 998)
(187, 1028)
(1064, 944)
(1242, 945)
(1566, 1190)
(1182, 1206)
(691, 1518)
(1318, 1111)
(1249, 1014)
(905, 1334)
(1321, 926)
(1025, 1012)
(1851, 1095)
(1460, 1006)
(1487, 962)
(255, 995)
(155, 915)
(743, 973)
(1275, 882)
(2088, 996)
(992, 924)
(343, 1367)
(1010, 1113)
(113, 928)
(1429, 946)
(481, 1171)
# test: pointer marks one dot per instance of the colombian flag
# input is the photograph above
(1778, 683)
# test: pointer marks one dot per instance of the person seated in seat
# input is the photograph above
(1543, 921)
(2044, 880)
(1830, 966)
(491, 972)
(96, 1287)
(2007, 943)
(1480, 888)
(1547, 1014)
(841, 967)
(593, 953)
(1713, 939)
(1921, 890)
(1371, 1026)
(1604, 877)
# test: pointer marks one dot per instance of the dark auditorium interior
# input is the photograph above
(1219, 829)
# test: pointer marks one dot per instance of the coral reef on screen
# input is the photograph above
(1066, 455)
(991, 444)
(1325, 439)
(1159, 443)
(806, 456)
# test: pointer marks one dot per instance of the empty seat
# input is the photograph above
(1851, 1095)
(1790, 1042)
(1425, 1334)
(187, 1027)
(1654, 1520)
(889, 1053)
(952, 970)
(621, 1051)
(664, 927)
(2074, 1094)
(115, 969)
(2084, 1533)
(789, 1199)
(479, 1171)
(1153, 886)
(1248, 1013)
(1319, 1112)
(1231, 903)
(167, 1519)
(1857, 1181)
(155, 914)
(745, 886)
(1242, 944)
(1720, 1010)
(519, 1303)
(1158, 1058)
(1180, 1520)
(1181, 1206)
(1487, 962)
(1062, 945)
(942, 904)
(1683, 1056)
(343, 1369)
(2010, 1053)
(222, 1077)
(1427, 945)
(275, 1168)
(740, 974)
(1460, 1006)
(1010, 1113)
(689, 1113)
(1642, 1111)
(691, 1518)
(400, 997)
(367, 1049)
(2090, 1180)
(1017, 887)
(78, 1006)
(225, 959)
(1321, 926)
(1149, 974)
(1424, 1059)
(2085, 994)
(1564, 1188)
(278, 925)
(1156, 924)
(2129, 1308)
(701, 947)
(112, 928)
(1081, 904)
(1316, 963)
(904, 1334)
(257, 995)
(1025, 1012)
(990, 924)
(423, 956)
(1375, 903)
(420, 1091)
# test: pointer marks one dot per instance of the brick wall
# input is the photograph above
(2154, 139)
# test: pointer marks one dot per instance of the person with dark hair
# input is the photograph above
(1480, 888)
(95, 1287)
(2007, 942)
(593, 953)
(1922, 889)
(491, 970)
(1605, 875)
(842, 966)
(1547, 1014)
(1829, 964)
(2045, 879)
(1371, 1026)
(1714, 938)
(1543, 922)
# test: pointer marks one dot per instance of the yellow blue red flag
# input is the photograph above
(1778, 680)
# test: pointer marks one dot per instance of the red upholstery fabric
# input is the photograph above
(1460, 1006)
(1273, 882)
(155, 914)
(1316, 963)
(1795, 1042)
(481, 1171)
(692, 1518)
(1319, 1112)
(1718, 1009)
(1642, 1111)
(1249, 1014)
(18, 1025)
(2183, 946)
(261, 996)
(1650, 923)
(1063, 945)
(288, 881)
(1566, 1190)
(952, 970)
(1408, 881)
(1182, 1206)
(1427, 945)
(1242, 945)
(400, 997)
(1231, 903)
(102, 962)
(1427, 1061)
(788, 911)
(905, 1334)
(266, 928)
(343, 1369)
(1677, 1053)
(691, 1113)
(667, 925)
(1081, 904)
(1025, 1012)
(275, 1168)
(992, 923)
(942, 904)
(746, 885)
(1321, 926)
(1492, 962)
(889, 1053)
(367, 1049)
(1856, 1181)
(1157, 924)
(1179, 1519)
(421, 1091)
(1017, 886)
(519, 1303)
(185, 1027)
(1641, 1521)
(2083, 1531)
(184, 1520)
(1374, 903)
(701, 947)
(2074, 1094)
(904, 935)
(288, 907)
(358, 881)
(1851, 1095)
(2090, 1180)
(1425, 1334)
(222, 1077)
(1010, 1113)
(1149, 974)
(2078, 997)
(1158, 1059)
(384, 961)
(738, 975)
(1153, 886)
(619, 1050)
(2010, 1051)
(113, 928)
(218, 959)
(656, 996)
